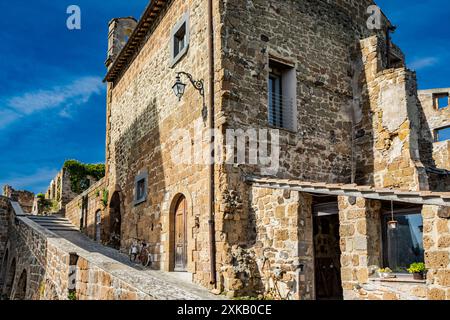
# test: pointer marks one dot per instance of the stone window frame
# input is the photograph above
(437, 97)
(289, 88)
(142, 176)
(184, 21)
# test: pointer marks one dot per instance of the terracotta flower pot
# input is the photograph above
(418, 276)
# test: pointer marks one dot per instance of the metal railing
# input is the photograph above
(281, 111)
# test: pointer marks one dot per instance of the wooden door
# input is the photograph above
(180, 236)
(327, 258)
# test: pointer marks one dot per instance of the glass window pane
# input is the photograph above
(443, 134)
(403, 245)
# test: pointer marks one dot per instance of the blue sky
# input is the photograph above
(52, 100)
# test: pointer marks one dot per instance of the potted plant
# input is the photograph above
(418, 270)
(385, 273)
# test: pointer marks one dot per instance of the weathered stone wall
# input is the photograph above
(24, 198)
(360, 240)
(391, 148)
(84, 209)
(4, 214)
(51, 274)
(142, 116)
(254, 32)
(281, 244)
(436, 239)
(26, 255)
(59, 192)
(441, 154)
(435, 118)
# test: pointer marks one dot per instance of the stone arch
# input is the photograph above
(21, 288)
(170, 228)
(4, 267)
(115, 220)
(9, 279)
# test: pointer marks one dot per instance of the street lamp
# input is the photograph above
(179, 87)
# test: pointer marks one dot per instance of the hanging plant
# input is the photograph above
(105, 198)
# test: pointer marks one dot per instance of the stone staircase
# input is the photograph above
(54, 223)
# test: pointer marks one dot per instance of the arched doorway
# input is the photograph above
(9, 280)
(21, 289)
(98, 226)
(115, 221)
(180, 235)
(3, 269)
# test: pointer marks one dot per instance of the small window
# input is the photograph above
(404, 244)
(441, 100)
(140, 189)
(282, 96)
(180, 39)
(442, 134)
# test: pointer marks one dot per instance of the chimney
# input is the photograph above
(120, 30)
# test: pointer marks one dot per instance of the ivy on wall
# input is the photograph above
(79, 173)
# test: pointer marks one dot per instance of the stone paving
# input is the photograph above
(158, 284)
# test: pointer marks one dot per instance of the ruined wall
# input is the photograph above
(435, 118)
(25, 198)
(441, 154)
(390, 143)
(59, 193)
(143, 114)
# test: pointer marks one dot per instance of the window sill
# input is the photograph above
(399, 278)
(138, 202)
(291, 131)
(178, 58)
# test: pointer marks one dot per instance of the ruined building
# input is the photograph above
(350, 173)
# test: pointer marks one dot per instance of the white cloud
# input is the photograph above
(73, 94)
(7, 117)
(34, 182)
(422, 63)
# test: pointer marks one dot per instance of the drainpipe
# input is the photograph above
(211, 177)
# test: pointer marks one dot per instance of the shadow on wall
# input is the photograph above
(363, 131)
(136, 151)
(10, 273)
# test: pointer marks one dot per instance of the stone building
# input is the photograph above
(64, 188)
(330, 167)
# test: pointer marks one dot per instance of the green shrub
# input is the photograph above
(79, 173)
(72, 296)
(417, 267)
